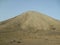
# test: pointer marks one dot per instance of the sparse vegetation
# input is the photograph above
(30, 27)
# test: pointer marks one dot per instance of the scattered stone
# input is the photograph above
(15, 41)
(18, 42)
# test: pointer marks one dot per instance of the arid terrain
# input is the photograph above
(30, 28)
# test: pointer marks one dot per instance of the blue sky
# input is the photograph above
(12, 8)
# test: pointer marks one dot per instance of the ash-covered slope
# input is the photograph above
(30, 24)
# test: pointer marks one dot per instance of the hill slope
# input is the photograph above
(33, 19)
(29, 25)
